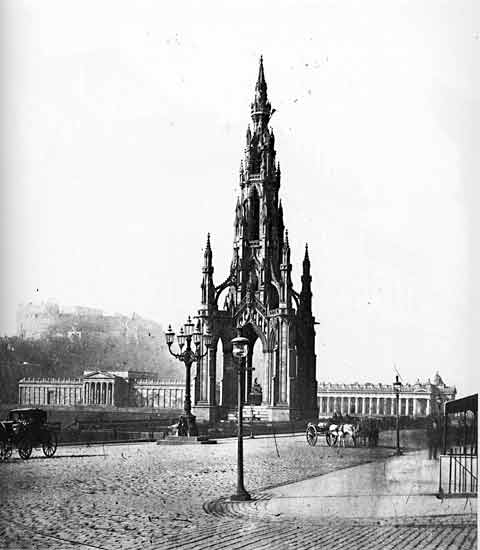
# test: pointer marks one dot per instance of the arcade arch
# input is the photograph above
(219, 390)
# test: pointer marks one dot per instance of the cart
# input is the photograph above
(321, 429)
(25, 430)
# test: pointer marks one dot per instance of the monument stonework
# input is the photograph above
(258, 296)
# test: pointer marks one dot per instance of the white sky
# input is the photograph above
(123, 126)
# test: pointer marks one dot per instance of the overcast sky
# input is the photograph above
(123, 126)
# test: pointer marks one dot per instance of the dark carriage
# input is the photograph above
(25, 430)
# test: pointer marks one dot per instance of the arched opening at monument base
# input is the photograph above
(254, 389)
(258, 388)
(219, 391)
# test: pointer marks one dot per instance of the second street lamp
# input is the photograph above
(442, 425)
(397, 386)
(239, 352)
(187, 425)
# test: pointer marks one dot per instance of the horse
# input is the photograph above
(338, 433)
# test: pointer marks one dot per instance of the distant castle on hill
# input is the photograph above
(48, 319)
(66, 341)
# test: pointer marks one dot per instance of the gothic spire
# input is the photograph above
(261, 107)
(207, 286)
(306, 260)
(305, 308)
(286, 250)
(261, 83)
(208, 252)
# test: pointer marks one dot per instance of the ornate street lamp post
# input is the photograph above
(397, 386)
(240, 351)
(187, 425)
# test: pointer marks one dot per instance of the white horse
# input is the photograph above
(339, 432)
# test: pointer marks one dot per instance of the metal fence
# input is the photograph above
(458, 474)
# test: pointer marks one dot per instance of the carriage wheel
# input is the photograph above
(24, 448)
(312, 436)
(5, 450)
(49, 446)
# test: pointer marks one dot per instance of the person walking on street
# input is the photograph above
(433, 431)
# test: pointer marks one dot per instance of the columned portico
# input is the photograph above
(380, 399)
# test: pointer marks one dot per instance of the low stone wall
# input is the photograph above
(67, 416)
(105, 436)
(409, 439)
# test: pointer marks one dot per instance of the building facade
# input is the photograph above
(259, 298)
(103, 389)
(136, 389)
(415, 400)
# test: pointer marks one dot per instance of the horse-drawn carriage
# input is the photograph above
(24, 430)
(334, 431)
(344, 431)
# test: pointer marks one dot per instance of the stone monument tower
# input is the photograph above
(258, 297)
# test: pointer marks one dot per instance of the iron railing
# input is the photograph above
(458, 474)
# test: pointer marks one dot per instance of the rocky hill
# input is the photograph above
(63, 342)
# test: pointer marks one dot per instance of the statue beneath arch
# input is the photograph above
(259, 297)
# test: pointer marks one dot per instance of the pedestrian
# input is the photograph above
(433, 431)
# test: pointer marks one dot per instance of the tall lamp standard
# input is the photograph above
(239, 352)
(442, 425)
(397, 386)
(187, 425)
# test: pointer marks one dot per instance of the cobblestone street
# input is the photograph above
(151, 496)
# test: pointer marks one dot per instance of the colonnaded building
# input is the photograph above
(419, 399)
(104, 389)
(99, 390)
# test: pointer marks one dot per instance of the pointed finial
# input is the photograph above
(306, 252)
(208, 253)
(261, 75)
(286, 237)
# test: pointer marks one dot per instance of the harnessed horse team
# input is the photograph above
(340, 431)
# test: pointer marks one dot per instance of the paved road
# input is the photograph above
(151, 497)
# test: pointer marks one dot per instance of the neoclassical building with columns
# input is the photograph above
(106, 389)
(416, 400)
(103, 389)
